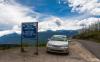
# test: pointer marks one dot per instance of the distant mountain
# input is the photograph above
(15, 38)
(43, 36)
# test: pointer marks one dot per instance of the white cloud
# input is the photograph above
(6, 32)
(2, 33)
(15, 13)
(89, 21)
(55, 23)
(15, 29)
(85, 6)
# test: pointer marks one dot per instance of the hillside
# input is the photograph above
(92, 35)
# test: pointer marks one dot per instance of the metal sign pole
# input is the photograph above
(36, 39)
(22, 49)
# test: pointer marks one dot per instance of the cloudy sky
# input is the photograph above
(51, 14)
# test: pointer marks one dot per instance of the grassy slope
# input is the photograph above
(93, 35)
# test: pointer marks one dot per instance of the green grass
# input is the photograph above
(42, 45)
(10, 46)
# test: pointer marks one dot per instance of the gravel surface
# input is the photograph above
(14, 55)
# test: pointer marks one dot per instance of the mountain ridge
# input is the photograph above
(15, 38)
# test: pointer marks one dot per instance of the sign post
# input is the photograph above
(29, 30)
(36, 40)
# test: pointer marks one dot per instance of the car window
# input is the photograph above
(59, 38)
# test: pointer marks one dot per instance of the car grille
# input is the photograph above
(56, 46)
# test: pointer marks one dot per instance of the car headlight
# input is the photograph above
(49, 44)
(65, 46)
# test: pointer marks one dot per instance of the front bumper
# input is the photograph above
(58, 49)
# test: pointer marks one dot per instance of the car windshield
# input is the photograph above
(59, 38)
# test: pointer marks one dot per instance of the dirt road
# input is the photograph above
(77, 54)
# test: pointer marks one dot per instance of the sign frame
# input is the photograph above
(31, 31)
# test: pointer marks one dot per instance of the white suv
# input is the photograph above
(58, 43)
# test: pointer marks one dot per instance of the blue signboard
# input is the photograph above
(29, 29)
